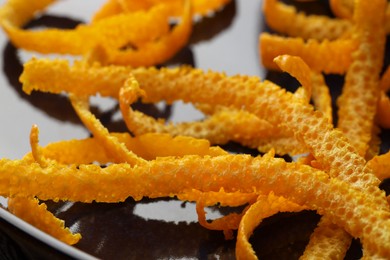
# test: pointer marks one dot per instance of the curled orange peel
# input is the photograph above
(36, 150)
(30, 210)
(152, 52)
(227, 223)
(383, 111)
(297, 68)
(265, 206)
(37, 215)
(345, 8)
(379, 165)
(342, 8)
(383, 106)
(325, 56)
(384, 83)
(105, 33)
(374, 145)
(321, 97)
(313, 83)
(329, 236)
(285, 19)
(147, 146)
(115, 39)
(45, 74)
(17, 13)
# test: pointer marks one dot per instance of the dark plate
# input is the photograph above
(151, 229)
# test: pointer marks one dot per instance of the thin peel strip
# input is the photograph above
(117, 149)
(151, 53)
(383, 106)
(321, 97)
(227, 223)
(297, 68)
(265, 206)
(330, 236)
(17, 13)
(78, 151)
(287, 20)
(29, 208)
(360, 91)
(313, 83)
(356, 211)
(326, 56)
(150, 26)
(221, 197)
(344, 9)
(37, 215)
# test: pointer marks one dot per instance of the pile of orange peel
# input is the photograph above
(339, 169)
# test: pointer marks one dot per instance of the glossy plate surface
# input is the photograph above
(150, 229)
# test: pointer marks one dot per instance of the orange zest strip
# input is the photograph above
(379, 165)
(313, 83)
(287, 20)
(46, 75)
(227, 223)
(36, 150)
(284, 144)
(383, 111)
(150, 53)
(17, 12)
(109, 8)
(221, 197)
(344, 9)
(141, 38)
(37, 215)
(150, 26)
(330, 236)
(264, 207)
(383, 107)
(297, 68)
(321, 97)
(299, 183)
(374, 144)
(326, 56)
(384, 83)
(362, 79)
(117, 149)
